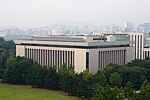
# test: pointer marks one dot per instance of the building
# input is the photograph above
(138, 39)
(82, 52)
(129, 27)
(146, 51)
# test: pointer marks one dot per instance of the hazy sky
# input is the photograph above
(45, 12)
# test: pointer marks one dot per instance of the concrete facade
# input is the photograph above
(87, 54)
(138, 38)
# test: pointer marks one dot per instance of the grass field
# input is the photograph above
(13, 92)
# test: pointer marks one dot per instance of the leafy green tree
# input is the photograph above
(100, 94)
(115, 79)
(52, 79)
(10, 60)
(66, 74)
(148, 74)
(135, 75)
(144, 93)
(36, 76)
(86, 74)
(23, 67)
(111, 68)
(129, 90)
(7, 46)
(116, 94)
(3, 59)
(108, 93)
(99, 78)
(140, 63)
(11, 74)
(144, 85)
(16, 70)
(1, 73)
(84, 88)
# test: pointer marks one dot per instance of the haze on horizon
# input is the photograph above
(44, 12)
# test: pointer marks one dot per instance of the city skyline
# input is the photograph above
(34, 13)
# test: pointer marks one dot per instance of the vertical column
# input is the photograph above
(37, 55)
(71, 58)
(53, 58)
(40, 56)
(43, 57)
(137, 47)
(67, 58)
(58, 54)
(140, 47)
(109, 56)
(46, 63)
(119, 57)
(50, 58)
(28, 53)
(102, 60)
(60, 58)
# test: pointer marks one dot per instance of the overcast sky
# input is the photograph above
(45, 12)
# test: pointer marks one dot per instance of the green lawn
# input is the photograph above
(13, 92)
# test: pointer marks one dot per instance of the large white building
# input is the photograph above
(137, 38)
(82, 52)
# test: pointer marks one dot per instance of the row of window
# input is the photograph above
(146, 54)
(50, 57)
(115, 57)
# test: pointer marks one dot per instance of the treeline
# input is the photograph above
(113, 83)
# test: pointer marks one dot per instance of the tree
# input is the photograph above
(52, 79)
(11, 73)
(108, 93)
(99, 78)
(36, 76)
(111, 68)
(3, 59)
(66, 74)
(135, 75)
(144, 93)
(16, 70)
(10, 60)
(144, 85)
(23, 67)
(84, 84)
(100, 94)
(1, 73)
(140, 63)
(115, 79)
(129, 90)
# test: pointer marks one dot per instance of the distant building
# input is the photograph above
(146, 27)
(82, 52)
(129, 27)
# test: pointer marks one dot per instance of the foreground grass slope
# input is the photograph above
(13, 92)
